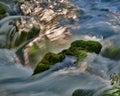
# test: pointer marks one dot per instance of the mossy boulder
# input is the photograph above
(52, 58)
(112, 53)
(47, 61)
(2, 12)
(89, 46)
(78, 48)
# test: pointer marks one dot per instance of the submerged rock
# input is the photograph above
(2, 12)
(78, 48)
(89, 46)
(111, 48)
(81, 92)
(15, 39)
(19, 41)
(112, 53)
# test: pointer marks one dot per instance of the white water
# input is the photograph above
(91, 74)
(63, 79)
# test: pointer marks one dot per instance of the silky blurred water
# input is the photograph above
(99, 20)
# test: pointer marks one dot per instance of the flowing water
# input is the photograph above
(99, 20)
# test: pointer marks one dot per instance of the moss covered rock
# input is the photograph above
(78, 49)
(41, 67)
(52, 58)
(89, 46)
(79, 54)
(47, 61)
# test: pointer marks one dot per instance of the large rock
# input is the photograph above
(89, 46)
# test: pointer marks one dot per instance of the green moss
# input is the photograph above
(41, 67)
(81, 55)
(52, 58)
(48, 60)
(79, 49)
(74, 51)
(89, 46)
(76, 93)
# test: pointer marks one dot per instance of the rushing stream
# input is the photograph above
(99, 20)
